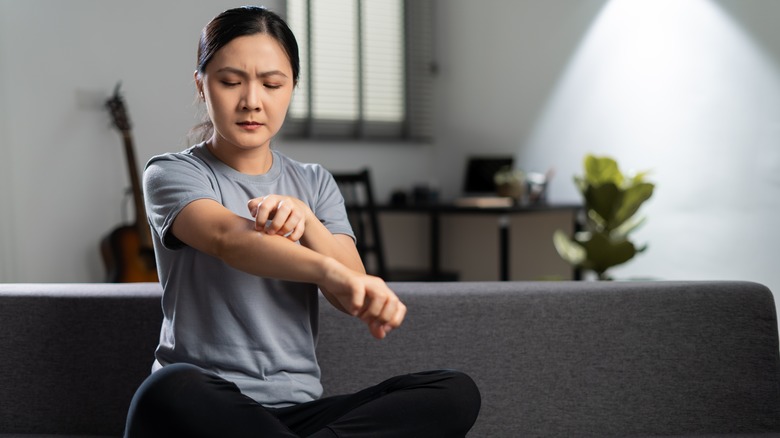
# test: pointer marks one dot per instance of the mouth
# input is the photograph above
(249, 125)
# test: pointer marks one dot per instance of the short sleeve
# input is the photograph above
(170, 183)
(330, 209)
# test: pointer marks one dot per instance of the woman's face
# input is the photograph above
(247, 87)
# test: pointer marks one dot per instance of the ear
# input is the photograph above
(199, 84)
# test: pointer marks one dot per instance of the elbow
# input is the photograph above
(220, 248)
(227, 245)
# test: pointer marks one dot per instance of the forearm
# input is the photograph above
(207, 226)
(341, 247)
(289, 216)
(273, 256)
(359, 295)
(210, 228)
(278, 257)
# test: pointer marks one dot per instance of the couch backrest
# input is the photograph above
(550, 358)
(583, 358)
(72, 355)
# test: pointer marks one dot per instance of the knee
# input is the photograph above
(153, 398)
(459, 399)
(166, 381)
(464, 396)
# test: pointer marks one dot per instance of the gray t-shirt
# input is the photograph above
(257, 332)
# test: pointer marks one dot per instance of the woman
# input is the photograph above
(244, 237)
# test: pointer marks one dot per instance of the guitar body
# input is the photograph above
(126, 260)
(128, 252)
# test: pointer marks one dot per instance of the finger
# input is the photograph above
(264, 210)
(294, 219)
(376, 329)
(355, 302)
(252, 205)
(392, 315)
(284, 219)
(388, 311)
(297, 233)
(397, 318)
(372, 308)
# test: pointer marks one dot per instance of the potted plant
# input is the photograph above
(510, 183)
(611, 201)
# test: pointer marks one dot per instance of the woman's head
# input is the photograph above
(244, 21)
(247, 69)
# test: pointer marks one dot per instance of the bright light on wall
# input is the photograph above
(680, 88)
(656, 77)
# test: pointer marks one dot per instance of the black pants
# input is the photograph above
(182, 400)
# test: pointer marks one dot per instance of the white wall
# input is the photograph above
(7, 248)
(63, 170)
(62, 159)
(699, 106)
(500, 61)
(686, 88)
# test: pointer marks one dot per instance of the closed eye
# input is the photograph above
(230, 84)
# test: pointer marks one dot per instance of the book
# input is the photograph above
(484, 201)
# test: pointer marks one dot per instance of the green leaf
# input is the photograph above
(595, 222)
(604, 200)
(627, 227)
(570, 251)
(638, 178)
(604, 253)
(602, 170)
(633, 198)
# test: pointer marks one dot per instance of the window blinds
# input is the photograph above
(365, 69)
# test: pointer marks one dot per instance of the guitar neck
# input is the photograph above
(121, 121)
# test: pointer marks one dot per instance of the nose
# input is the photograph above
(252, 100)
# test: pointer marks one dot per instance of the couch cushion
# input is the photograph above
(582, 358)
(72, 355)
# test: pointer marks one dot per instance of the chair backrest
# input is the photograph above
(358, 196)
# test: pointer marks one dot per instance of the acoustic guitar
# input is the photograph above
(128, 252)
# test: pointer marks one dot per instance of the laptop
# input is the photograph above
(479, 188)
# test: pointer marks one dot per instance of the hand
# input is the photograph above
(366, 297)
(277, 214)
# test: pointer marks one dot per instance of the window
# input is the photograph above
(366, 69)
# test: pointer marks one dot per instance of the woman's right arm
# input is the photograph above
(209, 227)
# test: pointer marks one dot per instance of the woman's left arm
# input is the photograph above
(291, 217)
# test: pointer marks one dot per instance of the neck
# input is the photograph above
(255, 161)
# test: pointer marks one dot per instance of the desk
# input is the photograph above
(503, 215)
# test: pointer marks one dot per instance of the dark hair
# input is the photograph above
(246, 20)
(236, 22)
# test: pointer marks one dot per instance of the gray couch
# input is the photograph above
(551, 358)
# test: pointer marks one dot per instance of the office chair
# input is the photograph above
(357, 190)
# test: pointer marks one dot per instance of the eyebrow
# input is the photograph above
(264, 74)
